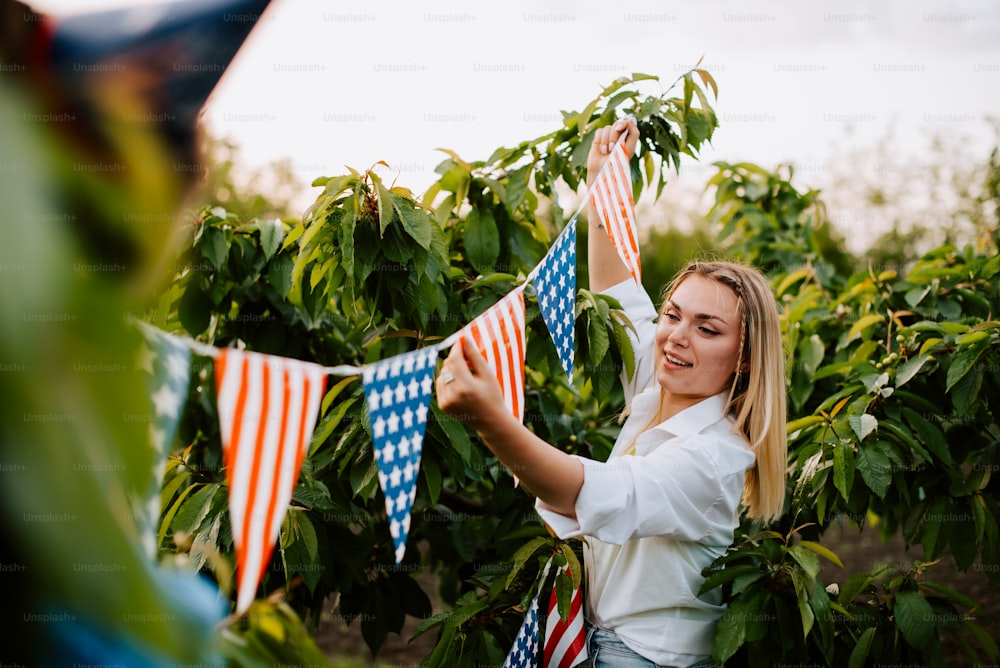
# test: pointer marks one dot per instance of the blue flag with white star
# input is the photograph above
(398, 395)
(555, 286)
(524, 653)
(165, 361)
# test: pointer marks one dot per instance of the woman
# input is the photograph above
(705, 430)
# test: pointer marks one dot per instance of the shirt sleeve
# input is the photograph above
(688, 489)
(641, 312)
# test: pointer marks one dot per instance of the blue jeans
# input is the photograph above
(606, 650)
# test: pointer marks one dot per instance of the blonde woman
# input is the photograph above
(705, 431)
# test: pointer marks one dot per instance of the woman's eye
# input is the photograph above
(710, 332)
(672, 316)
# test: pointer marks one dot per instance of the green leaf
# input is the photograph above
(564, 594)
(966, 392)
(937, 526)
(843, 468)
(415, 221)
(875, 469)
(725, 575)
(194, 310)
(853, 587)
(988, 644)
(863, 323)
(572, 564)
(806, 559)
(195, 509)
(822, 551)
(385, 205)
(482, 239)
(811, 355)
(915, 619)
(930, 435)
(272, 233)
(862, 425)
(908, 369)
(172, 512)
(458, 437)
(214, 246)
(861, 649)
(597, 338)
(522, 555)
(306, 532)
(802, 423)
(962, 363)
(732, 628)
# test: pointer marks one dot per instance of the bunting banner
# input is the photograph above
(498, 334)
(267, 411)
(565, 641)
(555, 287)
(611, 194)
(268, 406)
(398, 395)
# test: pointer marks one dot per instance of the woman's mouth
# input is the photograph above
(676, 361)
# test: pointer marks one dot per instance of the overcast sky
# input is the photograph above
(335, 83)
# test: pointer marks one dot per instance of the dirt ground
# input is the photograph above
(861, 551)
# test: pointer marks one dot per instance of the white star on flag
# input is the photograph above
(558, 287)
(403, 383)
(524, 653)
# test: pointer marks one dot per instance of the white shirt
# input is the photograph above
(656, 519)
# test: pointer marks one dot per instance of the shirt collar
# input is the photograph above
(696, 418)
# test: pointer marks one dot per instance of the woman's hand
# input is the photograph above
(467, 388)
(605, 139)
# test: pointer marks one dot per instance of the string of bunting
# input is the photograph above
(268, 405)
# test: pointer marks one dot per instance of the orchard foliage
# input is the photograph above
(893, 384)
(894, 393)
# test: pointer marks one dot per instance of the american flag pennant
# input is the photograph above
(165, 361)
(555, 285)
(611, 194)
(398, 395)
(498, 334)
(524, 653)
(267, 411)
(565, 641)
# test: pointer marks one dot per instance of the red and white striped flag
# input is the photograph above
(565, 641)
(611, 195)
(267, 411)
(498, 334)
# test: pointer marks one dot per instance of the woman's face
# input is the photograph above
(697, 340)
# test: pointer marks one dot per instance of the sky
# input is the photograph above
(329, 84)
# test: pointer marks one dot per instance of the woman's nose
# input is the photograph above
(678, 334)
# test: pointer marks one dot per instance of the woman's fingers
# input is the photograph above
(605, 139)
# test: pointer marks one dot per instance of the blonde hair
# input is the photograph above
(757, 395)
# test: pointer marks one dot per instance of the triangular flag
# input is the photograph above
(165, 361)
(555, 285)
(565, 641)
(498, 334)
(267, 411)
(524, 653)
(611, 195)
(398, 395)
